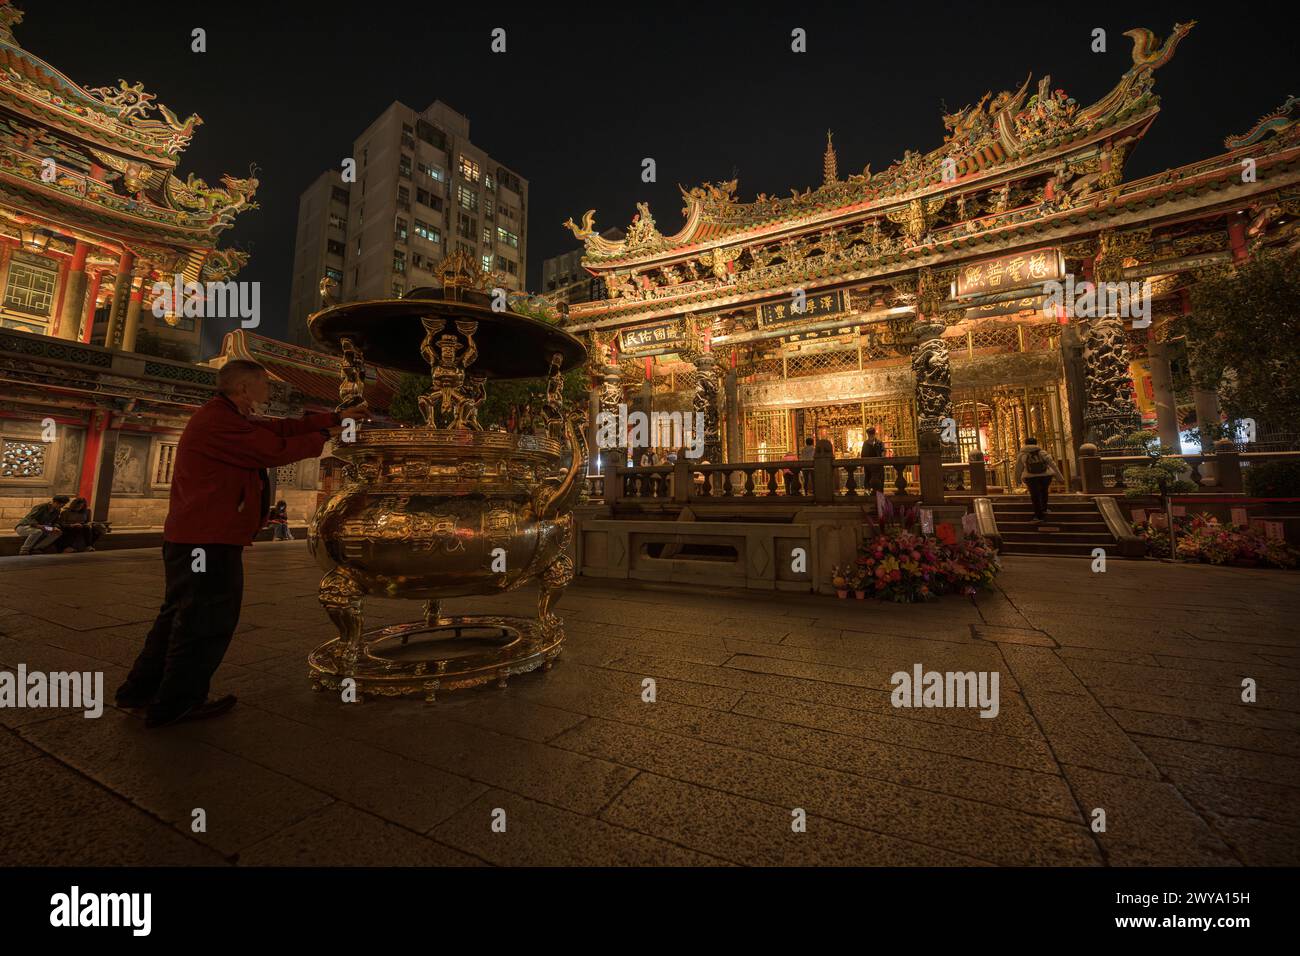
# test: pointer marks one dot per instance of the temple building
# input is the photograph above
(94, 388)
(919, 298)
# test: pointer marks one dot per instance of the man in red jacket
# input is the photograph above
(218, 503)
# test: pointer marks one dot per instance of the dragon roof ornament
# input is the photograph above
(1279, 121)
(120, 115)
(997, 129)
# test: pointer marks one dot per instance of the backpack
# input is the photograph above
(1036, 462)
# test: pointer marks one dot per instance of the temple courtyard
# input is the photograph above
(771, 737)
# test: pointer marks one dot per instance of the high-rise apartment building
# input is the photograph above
(422, 191)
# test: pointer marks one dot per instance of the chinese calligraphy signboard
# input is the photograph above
(815, 305)
(1005, 273)
(990, 309)
(650, 337)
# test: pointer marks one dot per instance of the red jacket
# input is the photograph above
(216, 486)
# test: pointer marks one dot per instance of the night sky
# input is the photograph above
(580, 98)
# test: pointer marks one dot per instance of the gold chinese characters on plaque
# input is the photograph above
(1004, 273)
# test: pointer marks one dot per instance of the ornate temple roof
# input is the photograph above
(97, 158)
(1011, 131)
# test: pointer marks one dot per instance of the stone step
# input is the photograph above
(1056, 549)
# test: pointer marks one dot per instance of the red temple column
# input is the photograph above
(1237, 238)
(88, 317)
(133, 308)
(121, 291)
(73, 294)
(90, 456)
(61, 283)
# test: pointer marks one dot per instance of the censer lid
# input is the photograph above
(389, 332)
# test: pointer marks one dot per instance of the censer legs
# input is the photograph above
(341, 598)
(554, 579)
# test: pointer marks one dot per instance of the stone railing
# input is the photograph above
(821, 480)
(1220, 471)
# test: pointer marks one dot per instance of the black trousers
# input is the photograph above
(1038, 486)
(199, 614)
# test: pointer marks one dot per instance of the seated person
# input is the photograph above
(40, 528)
(278, 519)
(79, 532)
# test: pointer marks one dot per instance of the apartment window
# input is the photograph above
(426, 231)
(358, 247)
(507, 179)
(465, 227)
(399, 260)
(418, 261)
(507, 212)
(487, 262)
(335, 274)
(404, 196)
(31, 283)
(470, 170)
(403, 167)
(487, 235)
(508, 237)
(400, 229)
(488, 182)
(335, 248)
(338, 222)
(408, 137)
(489, 205)
(433, 172)
(339, 194)
(507, 265)
(431, 134)
(361, 216)
(461, 247)
(468, 198)
(398, 289)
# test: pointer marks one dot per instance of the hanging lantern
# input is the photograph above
(36, 240)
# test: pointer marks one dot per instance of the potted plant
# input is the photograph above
(858, 581)
(840, 580)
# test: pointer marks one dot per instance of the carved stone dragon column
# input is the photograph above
(611, 396)
(706, 403)
(930, 362)
(1111, 411)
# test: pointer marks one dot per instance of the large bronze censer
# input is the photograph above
(447, 509)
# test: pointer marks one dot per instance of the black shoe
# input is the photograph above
(202, 711)
(129, 698)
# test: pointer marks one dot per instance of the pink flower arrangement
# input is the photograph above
(900, 564)
(1204, 538)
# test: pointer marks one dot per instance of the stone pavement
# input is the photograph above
(1119, 691)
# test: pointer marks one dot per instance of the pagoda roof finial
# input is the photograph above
(830, 163)
(10, 17)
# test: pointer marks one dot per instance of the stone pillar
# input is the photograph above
(1162, 384)
(74, 295)
(735, 432)
(92, 298)
(121, 291)
(933, 377)
(60, 283)
(706, 403)
(1111, 411)
(132, 324)
(611, 397)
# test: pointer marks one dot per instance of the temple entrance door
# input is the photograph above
(768, 435)
(1000, 419)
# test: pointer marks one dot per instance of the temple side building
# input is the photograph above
(94, 388)
(917, 297)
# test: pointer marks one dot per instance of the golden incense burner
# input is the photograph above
(447, 509)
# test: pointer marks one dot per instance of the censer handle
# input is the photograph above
(556, 495)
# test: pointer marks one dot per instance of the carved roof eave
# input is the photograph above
(96, 216)
(680, 247)
(1104, 212)
(155, 147)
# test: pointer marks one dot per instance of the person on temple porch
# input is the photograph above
(220, 496)
(40, 528)
(1038, 470)
(873, 475)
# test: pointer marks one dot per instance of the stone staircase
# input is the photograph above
(1073, 527)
